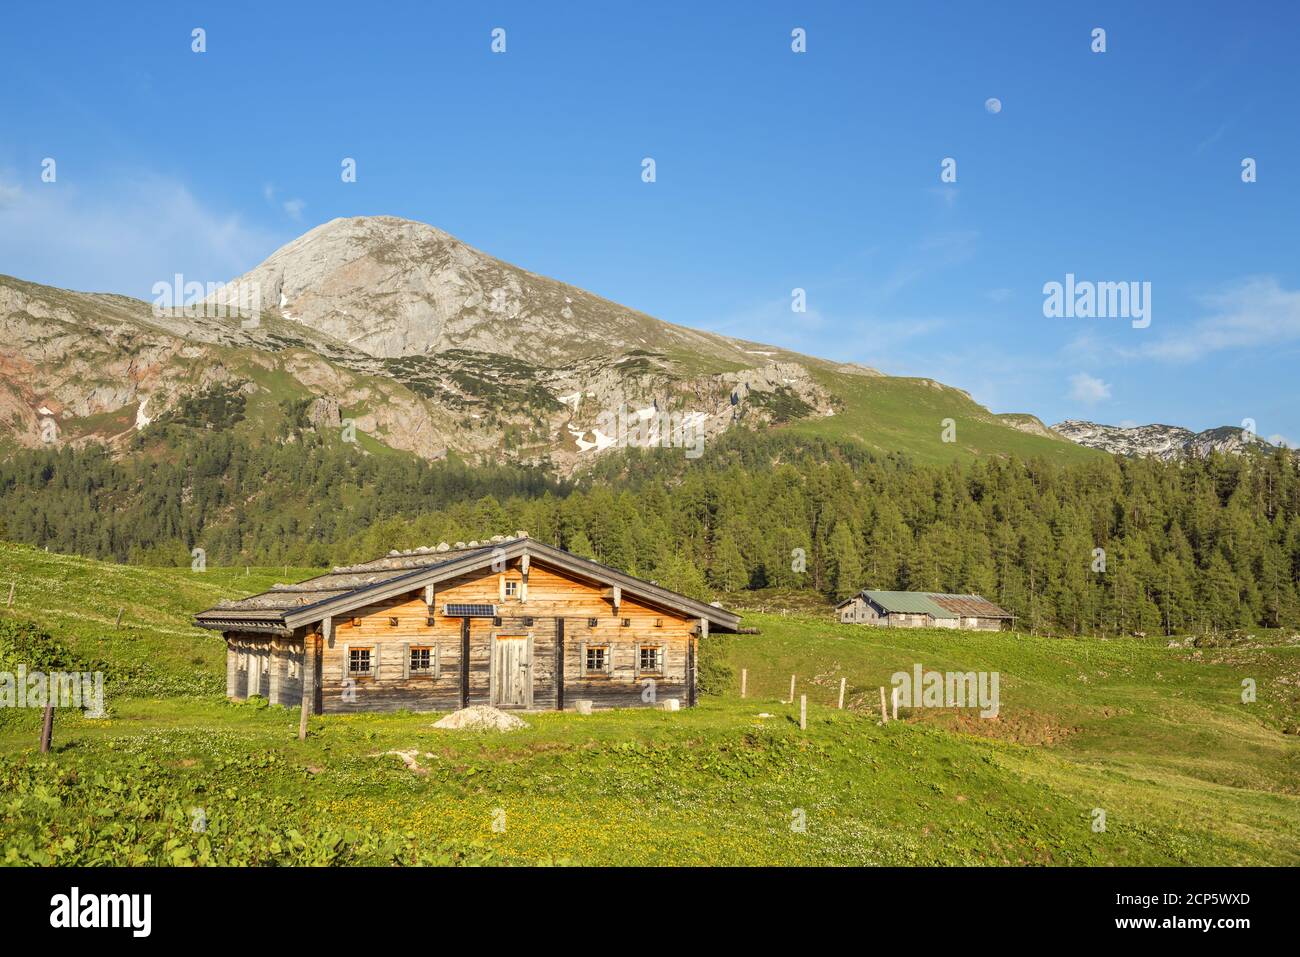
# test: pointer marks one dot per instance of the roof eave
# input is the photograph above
(724, 620)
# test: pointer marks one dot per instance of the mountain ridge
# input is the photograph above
(1161, 441)
(420, 343)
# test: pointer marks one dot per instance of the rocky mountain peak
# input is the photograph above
(1160, 441)
(394, 288)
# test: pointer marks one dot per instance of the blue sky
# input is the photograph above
(775, 170)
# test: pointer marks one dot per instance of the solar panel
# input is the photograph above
(469, 611)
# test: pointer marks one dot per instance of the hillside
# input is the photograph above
(154, 645)
(1155, 736)
(414, 341)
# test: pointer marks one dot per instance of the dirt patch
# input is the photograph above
(1021, 727)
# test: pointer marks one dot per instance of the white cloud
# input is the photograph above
(1253, 313)
(1088, 389)
(292, 207)
(122, 237)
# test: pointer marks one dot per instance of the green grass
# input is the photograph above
(894, 414)
(1157, 737)
(77, 601)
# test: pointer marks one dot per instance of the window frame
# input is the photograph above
(607, 658)
(371, 652)
(433, 668)
(660, 659)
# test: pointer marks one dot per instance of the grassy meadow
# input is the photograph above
(1157, 737)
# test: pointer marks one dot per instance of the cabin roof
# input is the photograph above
(934, 604)
(287, 606)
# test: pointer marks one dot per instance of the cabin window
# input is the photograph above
(652, 659)
(592, 622)
(392, 621)
(360, 662)
(512, 589)
(595, 660)
(627, 622)
(528, 623)
(496, 622)
(422, 660)
(659, 622)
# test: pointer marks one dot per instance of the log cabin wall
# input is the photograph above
(252, 667)
(389, 629)
(286, 671)
(550, 596)
(258, 664)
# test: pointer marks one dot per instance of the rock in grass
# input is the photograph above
(481, 718)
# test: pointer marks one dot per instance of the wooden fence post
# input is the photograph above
(842, 681)
(744, 681)
(803, 712)
(12, 586)
(118, 622)
(884, 715)
(47, 729)
(895, 699)
(792, 689)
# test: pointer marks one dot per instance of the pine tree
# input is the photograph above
(845, 564)
(581, 546)
(727, 569)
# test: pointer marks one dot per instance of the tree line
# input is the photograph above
(1110, 546)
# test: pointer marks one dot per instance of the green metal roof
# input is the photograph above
(909, 603)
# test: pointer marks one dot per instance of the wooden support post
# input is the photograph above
(803, 712)
(308, 683)
(117, 623)
(884, 715)
(47, 729)
(430, 599)
(523, 574)
(744, 681)
(842, 681)
(792, 689)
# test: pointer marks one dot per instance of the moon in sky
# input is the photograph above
(993, 105)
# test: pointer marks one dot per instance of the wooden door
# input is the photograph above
(512, 671)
